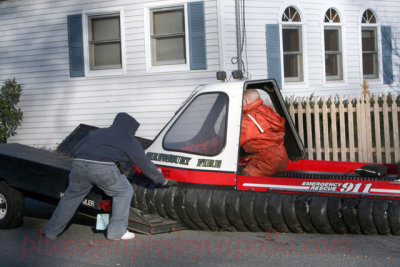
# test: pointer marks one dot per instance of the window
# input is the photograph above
(104, 42)
(168, 36)
(369, 45)
(201, 128)
(333, 46)
(176, 37)
(291, 15)
(292, 45)
(96, 43)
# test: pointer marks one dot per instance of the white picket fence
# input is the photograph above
(361, 132)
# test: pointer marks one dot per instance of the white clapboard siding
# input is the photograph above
(34, 51)
(260, 13)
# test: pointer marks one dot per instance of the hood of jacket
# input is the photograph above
(252, 105)
(125, 122)
(272, 117)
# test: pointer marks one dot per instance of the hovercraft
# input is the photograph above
(199, 148)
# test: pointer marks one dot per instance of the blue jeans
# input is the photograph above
(83, 176)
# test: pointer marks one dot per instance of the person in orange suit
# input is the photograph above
(262, 137)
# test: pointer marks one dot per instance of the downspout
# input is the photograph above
(238, 36)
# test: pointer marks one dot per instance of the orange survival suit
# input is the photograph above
(264, 143)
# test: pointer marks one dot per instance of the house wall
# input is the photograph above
(259, 13)
(34, 50)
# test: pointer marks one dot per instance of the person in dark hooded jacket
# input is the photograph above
(95, 164)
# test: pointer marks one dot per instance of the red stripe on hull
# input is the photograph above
(332, 166)
(324, 166)
(200, 177)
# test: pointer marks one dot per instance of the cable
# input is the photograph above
(244, 42)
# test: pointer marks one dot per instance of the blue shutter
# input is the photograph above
(75, 44)
(274, 53)
(197, 36)
(386, 35)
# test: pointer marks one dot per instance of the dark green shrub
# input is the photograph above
(10, 116)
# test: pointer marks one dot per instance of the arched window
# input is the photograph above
(292, 45)
(333, 45)
(291, 15)
(369, 45)
(368, 17)
(331, 16)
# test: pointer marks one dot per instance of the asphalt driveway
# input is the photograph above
(80, 245)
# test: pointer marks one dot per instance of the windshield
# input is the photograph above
(201, 128)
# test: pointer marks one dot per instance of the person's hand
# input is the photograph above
(169, 183)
